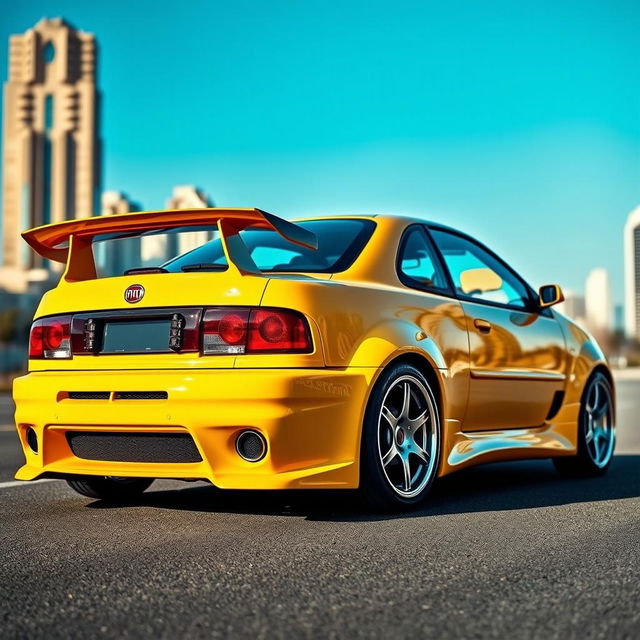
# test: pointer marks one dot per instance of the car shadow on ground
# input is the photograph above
(494, 487)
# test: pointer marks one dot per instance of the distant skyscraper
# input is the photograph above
(116, 202)
(116, 256)
(632, 274)
(50, 145)
(157, 249)
(618, 317)
(190, 197)
(573, 306)
(598, 301)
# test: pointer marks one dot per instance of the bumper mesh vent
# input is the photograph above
(140, 395)
(133, 447)
(89, 395)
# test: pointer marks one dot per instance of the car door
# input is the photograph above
(517, 352)
(430, 303)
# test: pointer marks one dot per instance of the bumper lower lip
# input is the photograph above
(310, 418)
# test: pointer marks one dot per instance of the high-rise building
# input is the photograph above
(632, 274)
(159, 248)
(116, 202)
(573, 306)
(118, 255)
(598, 301)
(51, 159)
(618, 318)
(190, 197)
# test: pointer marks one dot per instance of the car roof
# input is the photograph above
(408, 220)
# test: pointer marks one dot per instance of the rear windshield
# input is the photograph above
(340, 241)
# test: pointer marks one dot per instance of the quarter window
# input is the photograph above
(418, 266)
(478, 275)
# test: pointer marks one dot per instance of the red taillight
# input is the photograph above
(53, 336)
(233, 328)
(224, 331)
(277, 330)
(242, 330)
(50, 338)
(36, 345)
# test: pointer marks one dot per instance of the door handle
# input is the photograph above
(483, 326)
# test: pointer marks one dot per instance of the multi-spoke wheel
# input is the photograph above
(109, 488)
(596, 431)
(401, 440)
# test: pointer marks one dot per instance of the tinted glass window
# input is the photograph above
(418, 265)
(115, 253)
(476, 274)
(339, 244)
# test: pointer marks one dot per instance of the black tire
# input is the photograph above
(376, 478)
(586, 463)
(108, 488)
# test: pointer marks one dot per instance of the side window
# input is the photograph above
(417, 265)
(476, 274)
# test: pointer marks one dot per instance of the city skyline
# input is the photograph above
(51, 146)
(530, 131)
(52, 158)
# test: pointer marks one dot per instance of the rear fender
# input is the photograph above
(388, 339)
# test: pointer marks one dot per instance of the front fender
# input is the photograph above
(585, 355)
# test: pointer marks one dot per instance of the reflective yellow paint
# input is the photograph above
(494, 390)
(309, 418)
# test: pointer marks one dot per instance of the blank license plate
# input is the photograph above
(138, 336)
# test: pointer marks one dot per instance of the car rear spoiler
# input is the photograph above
(70, 241)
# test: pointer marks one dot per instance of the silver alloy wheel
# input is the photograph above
(408, 436)
(599, 428)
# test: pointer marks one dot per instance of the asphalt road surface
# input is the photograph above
(501, 551)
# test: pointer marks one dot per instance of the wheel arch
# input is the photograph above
(422, 364)
(601, 367)
(433, 377)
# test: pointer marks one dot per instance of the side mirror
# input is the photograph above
(550, 294)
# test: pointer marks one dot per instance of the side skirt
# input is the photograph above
(464, 449)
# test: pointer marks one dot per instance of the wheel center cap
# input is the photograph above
(400, 436)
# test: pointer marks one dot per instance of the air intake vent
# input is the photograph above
(140, 395)
(133, 447)
(89, 395)
(556, 403)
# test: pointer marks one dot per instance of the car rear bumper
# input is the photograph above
(310, 418)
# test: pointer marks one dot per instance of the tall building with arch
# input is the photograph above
(51, 149)
(632, 274)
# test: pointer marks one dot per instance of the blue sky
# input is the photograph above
(517, 121)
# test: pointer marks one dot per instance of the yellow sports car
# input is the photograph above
(233, 346)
